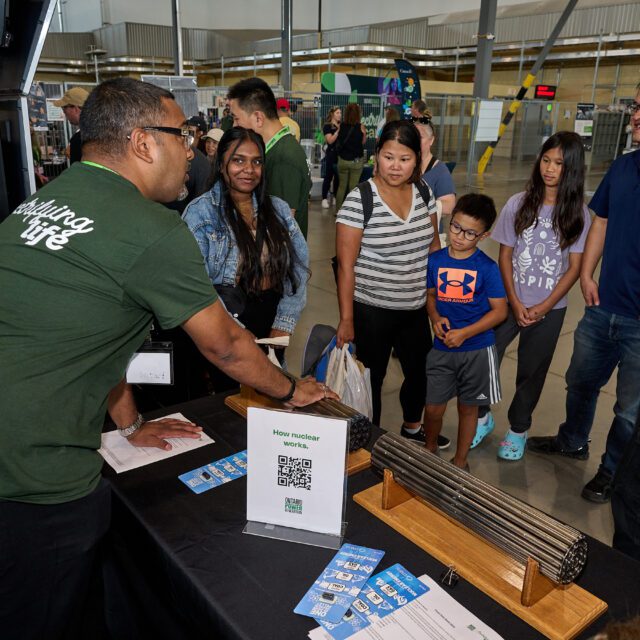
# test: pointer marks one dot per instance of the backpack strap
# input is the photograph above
(431, 163)
(425, 191)
(366, 197)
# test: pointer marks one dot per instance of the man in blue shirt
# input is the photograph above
(608, 336)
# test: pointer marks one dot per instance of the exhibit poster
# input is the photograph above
(583, 124)
(37, 105)
(370, 92)
(296, 470)
(410, 85)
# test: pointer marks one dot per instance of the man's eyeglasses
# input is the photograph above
(421, 119)
(187, 136)
(469, 234)
(633, 108)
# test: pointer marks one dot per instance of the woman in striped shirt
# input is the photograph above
(382, 266)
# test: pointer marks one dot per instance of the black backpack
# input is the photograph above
(366, 197)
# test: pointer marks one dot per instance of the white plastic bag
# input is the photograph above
(336, 369)
(349, 382)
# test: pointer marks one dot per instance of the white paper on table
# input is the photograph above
(434, 615)
(121, 455)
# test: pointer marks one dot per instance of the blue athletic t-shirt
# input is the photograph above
(463, 289)
(617, 199)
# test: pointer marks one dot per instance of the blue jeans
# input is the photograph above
(603, 341)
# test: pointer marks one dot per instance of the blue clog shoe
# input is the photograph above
(483, 430)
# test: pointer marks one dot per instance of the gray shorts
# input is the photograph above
(471, 376)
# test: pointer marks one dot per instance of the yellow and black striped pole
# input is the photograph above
(528, 81)
(515, 105)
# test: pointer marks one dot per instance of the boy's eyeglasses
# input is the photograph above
(421, 119)
(633, 108)
(186, 134)
(469, 234)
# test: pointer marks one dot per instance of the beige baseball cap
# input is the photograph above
(215, 134)
(75, 96)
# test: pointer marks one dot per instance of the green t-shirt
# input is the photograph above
(287, 175)
(85, 264)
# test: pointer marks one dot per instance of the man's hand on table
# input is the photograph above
(308, 390)
(151, 434)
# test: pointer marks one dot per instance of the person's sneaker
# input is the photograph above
(549, 445)
(443, 443)
(325, 203)
(418, 435)
(599, 488)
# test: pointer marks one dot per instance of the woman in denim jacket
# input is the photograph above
(254, 251)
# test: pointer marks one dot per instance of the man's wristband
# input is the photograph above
(292, 389)
(129, 430)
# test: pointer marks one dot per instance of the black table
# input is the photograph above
(186, 570)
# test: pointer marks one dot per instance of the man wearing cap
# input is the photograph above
(211, 140)
(253, 106)
(72, 102)
(284, 115)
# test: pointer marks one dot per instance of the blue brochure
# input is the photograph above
(340, 583)
(384, 593)
(216, 473)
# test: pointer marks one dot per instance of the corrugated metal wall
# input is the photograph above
(67, 46)
(623, 18)
(143, 40)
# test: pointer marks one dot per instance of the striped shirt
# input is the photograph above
(391, 269)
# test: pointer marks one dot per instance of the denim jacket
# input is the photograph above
(204, 217)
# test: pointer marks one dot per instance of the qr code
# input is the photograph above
(294, 472)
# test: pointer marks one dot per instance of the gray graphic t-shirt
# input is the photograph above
(538, 262)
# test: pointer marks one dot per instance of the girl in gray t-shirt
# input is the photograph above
(542, 232)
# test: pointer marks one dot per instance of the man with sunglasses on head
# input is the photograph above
(85, 265)
(608, 336)
(420, 112)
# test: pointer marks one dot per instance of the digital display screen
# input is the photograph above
(545, 92)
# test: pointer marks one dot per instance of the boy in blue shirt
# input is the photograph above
(465, 300)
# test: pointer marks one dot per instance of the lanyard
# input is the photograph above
(281, 134)
(99, 166)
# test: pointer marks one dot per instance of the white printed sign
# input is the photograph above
(149, 368)
(296, 470)
(489, 118)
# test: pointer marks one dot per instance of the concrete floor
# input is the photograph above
(553, 483)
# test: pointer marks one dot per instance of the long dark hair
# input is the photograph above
(568, 217)
(270, 231)
(405, 134)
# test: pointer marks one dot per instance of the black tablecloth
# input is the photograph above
(184, 566)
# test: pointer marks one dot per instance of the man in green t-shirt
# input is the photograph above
(85, 265)
(253, 106)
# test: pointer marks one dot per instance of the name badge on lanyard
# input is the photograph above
(151, 364)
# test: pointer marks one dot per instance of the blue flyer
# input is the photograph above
(216, 473)
(339, 584)
(384, 593)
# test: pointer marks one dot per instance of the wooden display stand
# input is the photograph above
(560, 612)
(249, 397)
